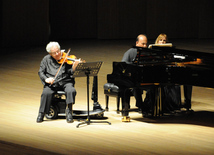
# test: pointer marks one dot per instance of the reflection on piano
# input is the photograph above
(162, 66)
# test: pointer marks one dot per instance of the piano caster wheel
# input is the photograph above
(118, 111)
(126, 119)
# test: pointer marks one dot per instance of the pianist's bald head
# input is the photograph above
(141, 40)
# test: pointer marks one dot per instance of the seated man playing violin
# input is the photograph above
(56, 76)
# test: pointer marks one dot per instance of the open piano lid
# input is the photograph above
(167, 54)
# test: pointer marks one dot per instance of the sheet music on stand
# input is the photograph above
(161, 45)
(92, 67)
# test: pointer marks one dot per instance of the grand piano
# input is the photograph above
(161, 65)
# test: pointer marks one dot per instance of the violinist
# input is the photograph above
(49, 68)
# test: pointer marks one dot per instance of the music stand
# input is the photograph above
(88, 69)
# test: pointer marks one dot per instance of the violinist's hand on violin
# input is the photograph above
(76, 63)
(81, 60)
(49, 80)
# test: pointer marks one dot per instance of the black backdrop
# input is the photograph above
(35, 22)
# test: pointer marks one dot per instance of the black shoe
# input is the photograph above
(187, 106)
(69, 117)
(40, 118)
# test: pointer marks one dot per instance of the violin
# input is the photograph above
(68, 59)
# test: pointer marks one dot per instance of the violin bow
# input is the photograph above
(61, 65)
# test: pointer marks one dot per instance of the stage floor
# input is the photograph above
(20, 98)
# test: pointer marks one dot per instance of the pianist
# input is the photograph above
(129, 57)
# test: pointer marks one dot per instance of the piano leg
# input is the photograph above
(158, 101)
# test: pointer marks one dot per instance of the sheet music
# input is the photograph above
(92, 67)
(161, 45)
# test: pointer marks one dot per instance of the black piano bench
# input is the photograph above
(113, 90)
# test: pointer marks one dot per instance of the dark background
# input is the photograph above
(36, 22)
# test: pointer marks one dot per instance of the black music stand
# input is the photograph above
(88, 69)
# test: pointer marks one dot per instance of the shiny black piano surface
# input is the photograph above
(165, 65)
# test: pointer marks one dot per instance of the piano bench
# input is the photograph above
(113, 90)
(110, 89)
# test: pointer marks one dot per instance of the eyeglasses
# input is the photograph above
(57, 52)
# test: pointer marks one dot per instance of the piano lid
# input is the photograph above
(162, 54)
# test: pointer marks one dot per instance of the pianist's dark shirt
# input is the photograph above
(129, 55)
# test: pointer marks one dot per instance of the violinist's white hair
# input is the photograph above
(50, 45)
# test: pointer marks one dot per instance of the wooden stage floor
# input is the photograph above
(20, 98)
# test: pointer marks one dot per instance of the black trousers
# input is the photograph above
(48, 92)
(187, 95)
